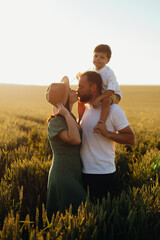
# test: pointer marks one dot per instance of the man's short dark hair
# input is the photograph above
(105, 49)
(93, 78)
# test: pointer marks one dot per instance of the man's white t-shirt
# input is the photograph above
(98, 152)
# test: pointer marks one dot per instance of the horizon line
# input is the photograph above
(36, 85)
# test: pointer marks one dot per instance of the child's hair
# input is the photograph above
(105, 49)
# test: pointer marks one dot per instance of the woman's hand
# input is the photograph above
(62, 110)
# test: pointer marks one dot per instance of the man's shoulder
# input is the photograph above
(116, 111)
(115, 107)
(117, 117)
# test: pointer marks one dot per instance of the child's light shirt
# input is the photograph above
(109, 80)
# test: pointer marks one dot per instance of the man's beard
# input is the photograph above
(85, 98)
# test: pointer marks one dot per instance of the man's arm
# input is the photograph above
(124, 136)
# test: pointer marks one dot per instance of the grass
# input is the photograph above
(25, 159)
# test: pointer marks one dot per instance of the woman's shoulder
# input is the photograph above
(56, 118)
(56, 121)
(56, 124)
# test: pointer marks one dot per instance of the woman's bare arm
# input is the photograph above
(71, 135)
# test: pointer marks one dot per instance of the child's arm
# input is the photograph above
(101, 97)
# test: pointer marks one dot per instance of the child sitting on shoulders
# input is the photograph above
(110, 89)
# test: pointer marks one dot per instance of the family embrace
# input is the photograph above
(84, 150)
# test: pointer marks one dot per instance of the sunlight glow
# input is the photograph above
(41, 41)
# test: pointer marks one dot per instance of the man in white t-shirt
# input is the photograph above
(98, 150)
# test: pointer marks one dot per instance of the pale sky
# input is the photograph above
(43, 40)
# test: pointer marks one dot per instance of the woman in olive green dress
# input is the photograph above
(65, 177)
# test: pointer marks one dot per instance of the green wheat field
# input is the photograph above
(25, 159)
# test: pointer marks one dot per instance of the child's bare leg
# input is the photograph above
(105, 109)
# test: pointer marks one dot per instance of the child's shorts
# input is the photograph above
(115, 98)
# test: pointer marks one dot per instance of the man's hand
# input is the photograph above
(123, 136)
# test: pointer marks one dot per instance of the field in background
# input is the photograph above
(140, 103)
(25, 158)
(30, 100)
